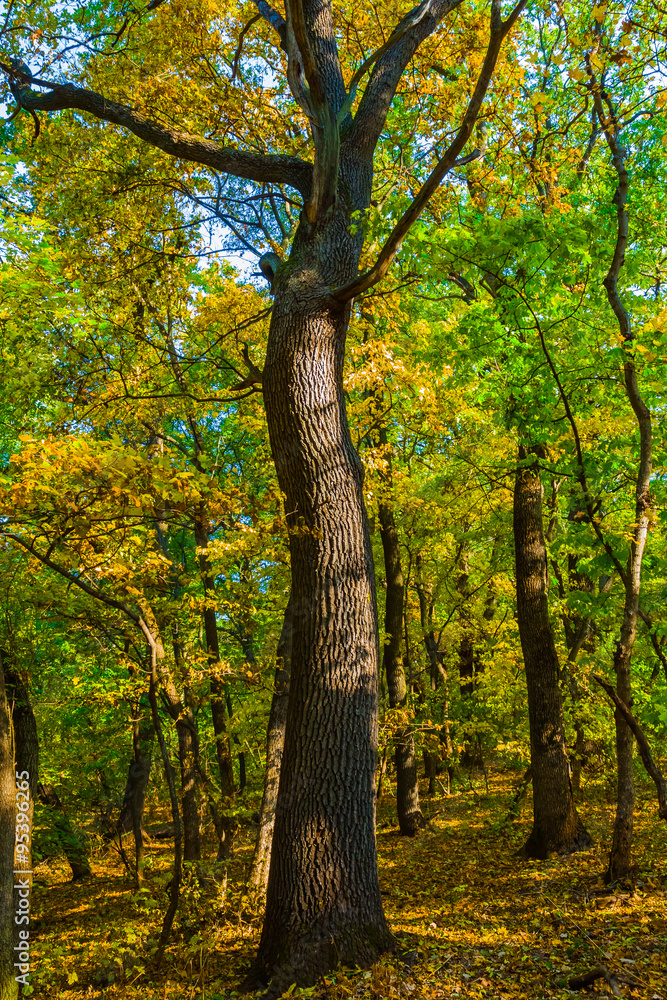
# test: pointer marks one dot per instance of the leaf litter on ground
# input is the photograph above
(472, 918)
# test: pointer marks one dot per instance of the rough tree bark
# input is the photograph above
(323, 898)
(275, 741)
(556, 824)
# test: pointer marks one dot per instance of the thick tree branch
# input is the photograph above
(316, 80)
(277, 169)
(498, 31)
(296, 19)
(274, 18)
(645, 751)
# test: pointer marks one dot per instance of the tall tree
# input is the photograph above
(556, 824)
(323, 899)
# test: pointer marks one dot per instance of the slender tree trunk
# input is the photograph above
(26, 769)
(425, 596)
(556, 825)
(275, 741)
(430, 769)
(188, 757)
(132, 808)
(26, 742)
(620, 860)
(143, 732)
(323, 896)
(73, 847)
(222, 747)
(175, 884)
(410, 817)
(8, 984)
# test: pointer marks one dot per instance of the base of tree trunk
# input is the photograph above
(541, 843)
(411, 824)
(319, 951)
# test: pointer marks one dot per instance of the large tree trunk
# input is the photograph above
(275, 741)
(410, 817)
(8, 983)
(323, 896)
(556, 825)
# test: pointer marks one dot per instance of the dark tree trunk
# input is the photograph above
(8, 984)
(70, 842)
(188, 757)
(275, 740)
(620, 858)
(143, 733)
(222, 746)
(26, 768)
(26, 741)
(556, 825)
(410, 817)
(132, 808)
(430, 770)
(323, 896)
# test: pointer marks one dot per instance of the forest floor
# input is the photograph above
(471, 918)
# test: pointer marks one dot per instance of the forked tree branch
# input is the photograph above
(389, 64)
(414, 18)
(499, 29)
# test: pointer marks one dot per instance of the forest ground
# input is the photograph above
(471, 918)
